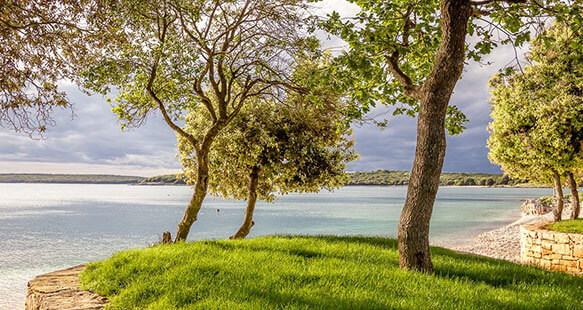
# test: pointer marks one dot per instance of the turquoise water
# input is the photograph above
(45, 227)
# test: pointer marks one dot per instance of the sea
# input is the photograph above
(47, 227)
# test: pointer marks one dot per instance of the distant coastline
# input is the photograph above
(372, 178)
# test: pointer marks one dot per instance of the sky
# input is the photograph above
(92, 141)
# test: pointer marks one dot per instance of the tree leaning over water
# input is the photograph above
(412, 53)
(273, 148)
(537, 127)
(173, 56)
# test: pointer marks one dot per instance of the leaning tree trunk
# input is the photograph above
(436, 92)
(251, 200)
(574, 196)
(200, 189)
(201, 184)
(558, 211)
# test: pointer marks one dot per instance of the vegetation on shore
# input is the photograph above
(69, 178)
(301, 272)
(387, 177)
(377, 177)
(568, 226)
(166, 179)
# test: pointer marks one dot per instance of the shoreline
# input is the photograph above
(346, 185)
(504, 242)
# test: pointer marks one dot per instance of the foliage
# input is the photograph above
(180, 56)
(164, 180)
(568, 226)
(393, 45)
(537, 114)
(173, 55)
(69, 178)
(42, 42)
(296, 145)
(299, 272)
(387, 177)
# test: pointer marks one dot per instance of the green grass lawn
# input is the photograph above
(568, 226)
(320, 272)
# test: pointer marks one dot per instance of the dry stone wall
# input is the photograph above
(551, 249)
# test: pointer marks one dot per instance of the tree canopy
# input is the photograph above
(411, 54)
(177, 56)
(537, 113)
(42, 44)
(298, 147)
(394, 44)
(274, 148)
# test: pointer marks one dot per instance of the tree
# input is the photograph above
(538, 115)
(41, 44)
(173, 56)
(272, 149)
(412, 53)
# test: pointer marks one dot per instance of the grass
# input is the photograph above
(320, 272)
(568, 226)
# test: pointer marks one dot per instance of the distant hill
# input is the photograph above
(378, 177)
(167, 179)
(388, 177)
(69, 178)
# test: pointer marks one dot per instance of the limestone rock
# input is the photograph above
(59, 290)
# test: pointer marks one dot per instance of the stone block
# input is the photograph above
(562, 238)
(569, 263)
(547, 235)
(569, 257)
(577, 238)
(546, 252)
(544, 263)
(561, 249)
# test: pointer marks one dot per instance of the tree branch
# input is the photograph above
(157, 100)
(410, 89)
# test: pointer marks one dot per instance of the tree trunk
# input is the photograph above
(575, 196)
(201, 185)
(251, 199)
(436, 92)
(558, 212)
(200, 188)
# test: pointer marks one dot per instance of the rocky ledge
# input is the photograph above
(59, 290)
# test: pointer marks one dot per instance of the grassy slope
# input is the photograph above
(319, 272)
(568, 226)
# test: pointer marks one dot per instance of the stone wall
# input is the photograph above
(59, 290)
(550, 249)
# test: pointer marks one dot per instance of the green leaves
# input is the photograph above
(298, 146)
(408, 33)
(538, 114)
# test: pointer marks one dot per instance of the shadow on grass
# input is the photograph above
(478, 269)
(278, 289)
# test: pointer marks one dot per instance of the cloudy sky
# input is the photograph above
(92, 141)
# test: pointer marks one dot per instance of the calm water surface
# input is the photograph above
(45, 227)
